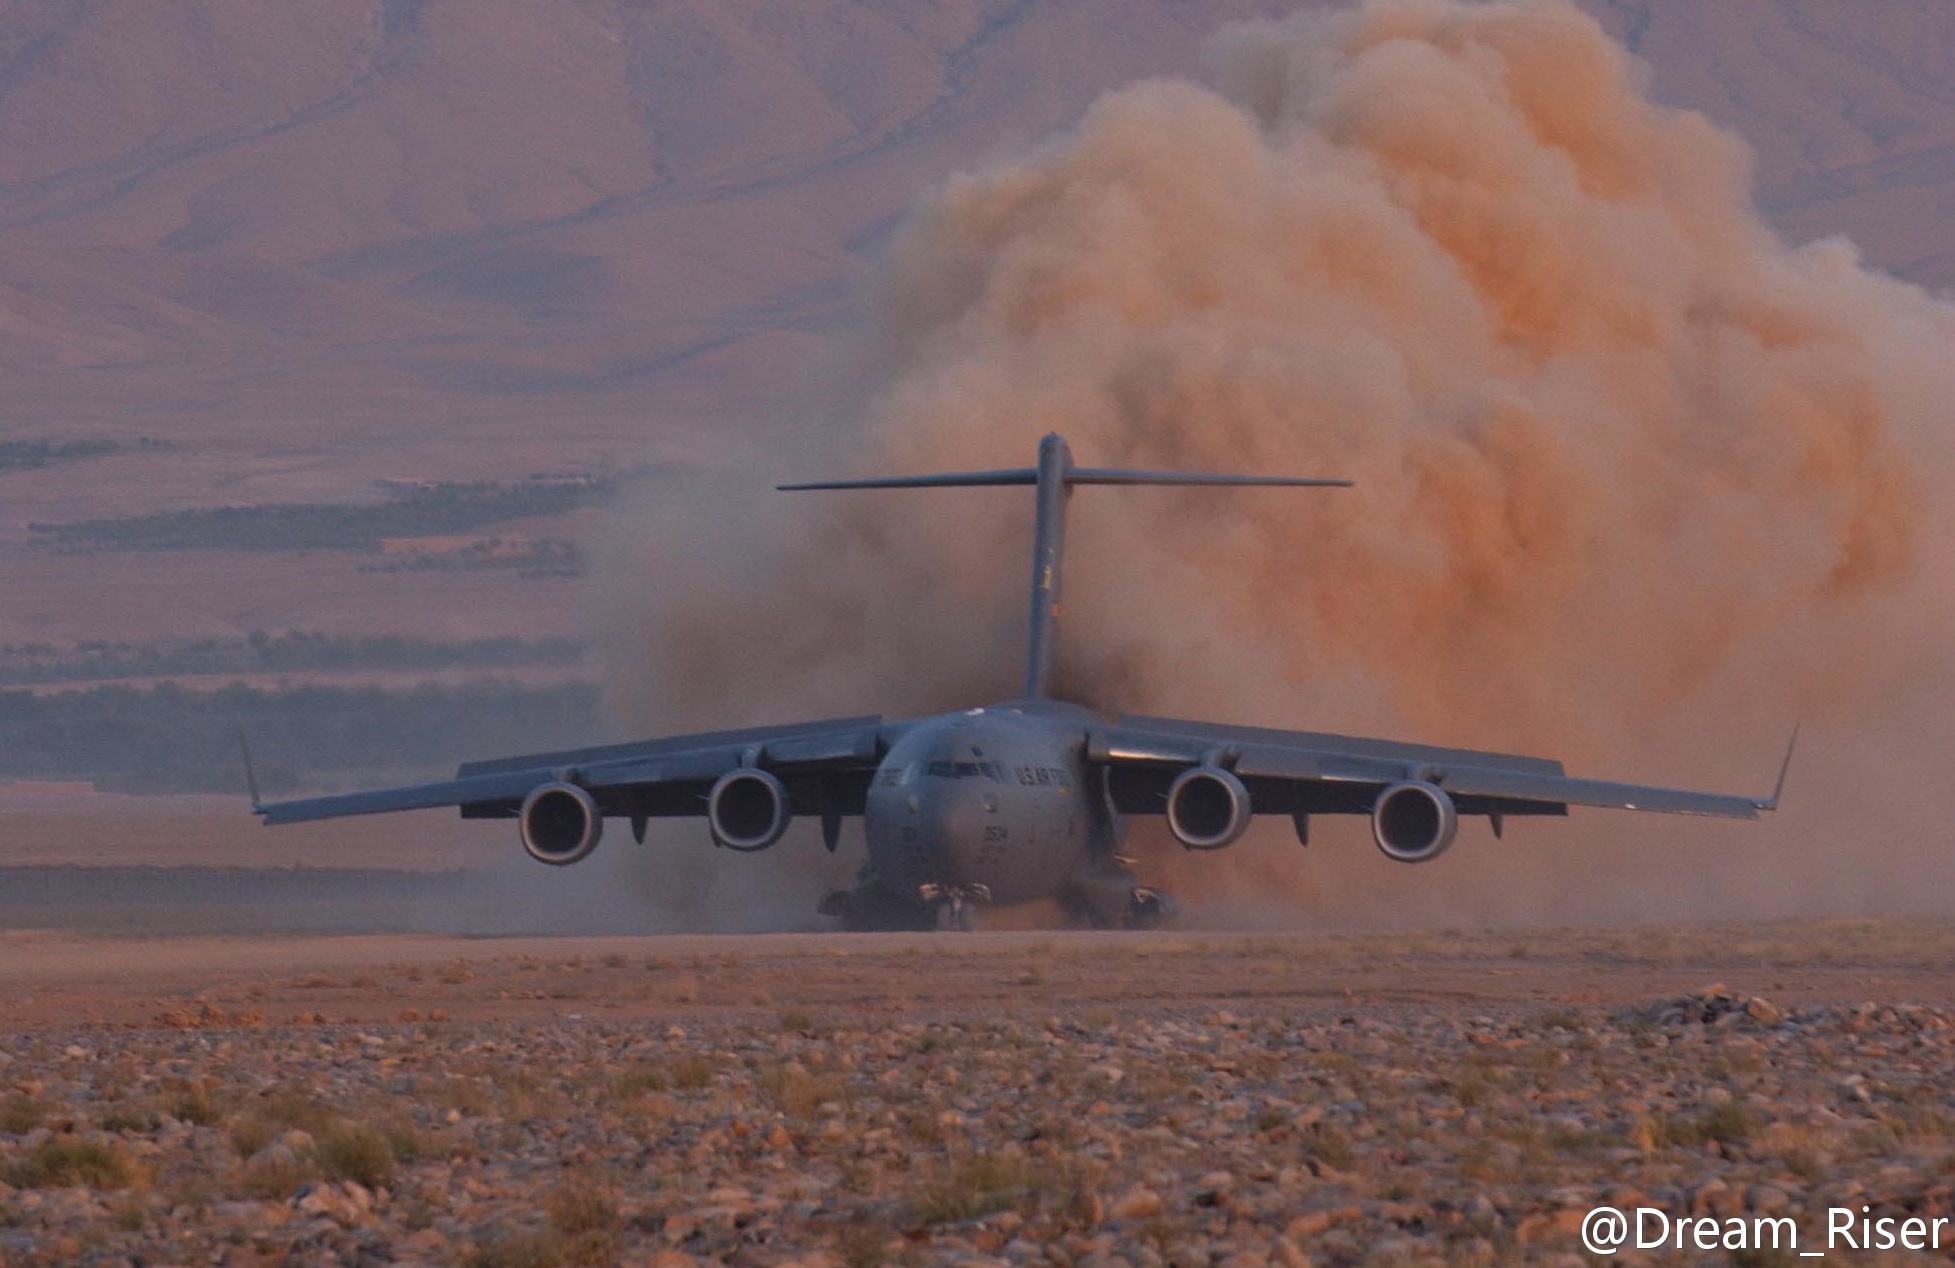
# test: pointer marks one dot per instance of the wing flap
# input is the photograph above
(1248, 754)
(1519, 786)
(662, 777)
(1482, 782)
(644, 749)
(1159, 732)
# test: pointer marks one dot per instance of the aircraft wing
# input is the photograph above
(825, 766)
(1302, 772)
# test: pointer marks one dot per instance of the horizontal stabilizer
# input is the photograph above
(1078, 475)
(952, 480)
(1102, 475)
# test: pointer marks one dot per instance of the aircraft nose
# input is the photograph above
(954, 817)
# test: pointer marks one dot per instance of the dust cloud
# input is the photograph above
(1638, 483)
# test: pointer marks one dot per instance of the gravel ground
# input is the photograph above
(1063, 1101)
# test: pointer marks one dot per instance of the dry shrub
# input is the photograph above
(582, 1204)
(641, 1079)
(276, 1112)
(1328, 1145)
(518, 1250)
(863, 1246)
(249, 1134)
(356, 1152)
(403, 1140)
(62, 1162)
(21, 1114)
(584, 1212)
(978, 1185)
(1727, 1124)
(795, 1092)
(985, 1182)
(470, 1096)
(293, 1108)
(693, 1073)
(129, 1214)
(274, 1179)
(129, 1118)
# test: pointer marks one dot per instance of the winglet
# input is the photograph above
(1778, 789)
(250, 776)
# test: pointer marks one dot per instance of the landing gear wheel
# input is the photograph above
(1149, 908)
(956, 905)
(1112, 897)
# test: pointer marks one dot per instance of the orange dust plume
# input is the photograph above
(1638, 483)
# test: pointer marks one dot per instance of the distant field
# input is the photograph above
(66, 825)
(34, 455)
(217, 900)
(429, 510)
(263, 652)
(168, 739)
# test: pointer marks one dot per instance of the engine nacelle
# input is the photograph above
(747, 810)
(561, 824)
(1414, 822)
(1208, 808)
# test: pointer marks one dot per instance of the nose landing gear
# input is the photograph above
(956, 905)
(870, 908)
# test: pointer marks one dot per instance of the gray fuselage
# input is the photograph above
(996, 797)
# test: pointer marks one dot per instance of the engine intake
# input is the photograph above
(1414, 822)
(561, 824)
(1208, 808)
(747, 810)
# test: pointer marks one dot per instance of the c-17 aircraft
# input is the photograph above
(1018, 801)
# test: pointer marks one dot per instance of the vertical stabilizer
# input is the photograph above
(1048, 557)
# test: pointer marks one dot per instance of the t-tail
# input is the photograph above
(1055, 478)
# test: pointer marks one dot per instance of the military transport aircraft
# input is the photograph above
(1016, 801)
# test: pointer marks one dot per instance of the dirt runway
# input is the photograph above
(1212, 1100)
(56, 981)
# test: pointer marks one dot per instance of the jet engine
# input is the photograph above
(1208, 808)
(1414, 822)
(747, 810)
(561, 824)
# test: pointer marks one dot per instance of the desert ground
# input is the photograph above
(993, 1098)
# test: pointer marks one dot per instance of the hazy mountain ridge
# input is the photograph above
(1850, 108)
(226, 172)
(317, 244)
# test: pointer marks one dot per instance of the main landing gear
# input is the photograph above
(1110, 896)
(869, 908)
